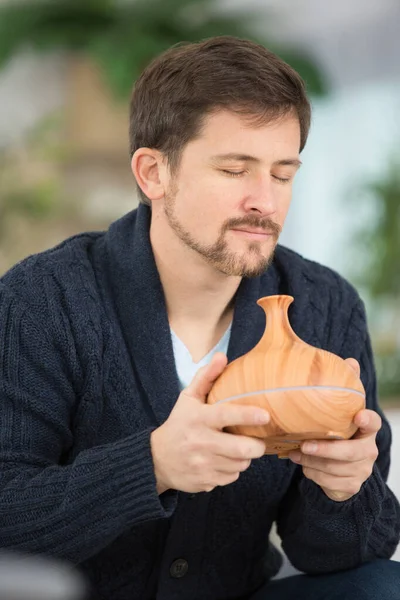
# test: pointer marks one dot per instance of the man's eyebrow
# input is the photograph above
(234, 156)
(288, 162)
(291, 162)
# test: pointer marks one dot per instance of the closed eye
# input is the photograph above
(240, 173)
(233, 173)
(281, 179)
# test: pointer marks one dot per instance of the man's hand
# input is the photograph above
(190, 451)
(340, 467)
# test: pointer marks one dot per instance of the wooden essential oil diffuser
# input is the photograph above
(310, 393)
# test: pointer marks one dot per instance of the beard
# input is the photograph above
(251, 263)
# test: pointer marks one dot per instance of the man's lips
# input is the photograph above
(252, 232)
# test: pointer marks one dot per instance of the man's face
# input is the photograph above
(231, 194)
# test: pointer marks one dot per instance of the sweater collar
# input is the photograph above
(140, 304)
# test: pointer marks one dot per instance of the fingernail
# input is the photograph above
(310, 448)
(262, 417)
(295, 457)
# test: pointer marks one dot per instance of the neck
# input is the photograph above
(195, 292)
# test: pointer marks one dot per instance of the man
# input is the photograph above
(110, 343)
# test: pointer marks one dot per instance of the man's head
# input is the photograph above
(215, 133)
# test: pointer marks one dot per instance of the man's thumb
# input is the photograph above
(202, 382)
(354, 364)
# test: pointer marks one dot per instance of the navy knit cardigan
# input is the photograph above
(86, 374)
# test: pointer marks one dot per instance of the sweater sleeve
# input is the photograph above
(320, 535)
(47, 505)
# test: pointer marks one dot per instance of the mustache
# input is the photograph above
(266, 224)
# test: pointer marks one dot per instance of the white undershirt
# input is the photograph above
(185, 366)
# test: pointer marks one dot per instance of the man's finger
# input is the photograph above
(202, 382)
(227, 414)
(342, 450)
(338, 468)
(354, 364)
(237, 447)
(337, 488)
(368, 422)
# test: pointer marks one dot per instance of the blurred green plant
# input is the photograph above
(123, 36)
(379, 239)
(388, 374)
(378, 268)
(26, 188)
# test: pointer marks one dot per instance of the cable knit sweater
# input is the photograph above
(87, 372)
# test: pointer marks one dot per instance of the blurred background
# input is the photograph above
(67, 68)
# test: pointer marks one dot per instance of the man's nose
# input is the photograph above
(261, 196)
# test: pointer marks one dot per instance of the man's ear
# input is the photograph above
(148, 167)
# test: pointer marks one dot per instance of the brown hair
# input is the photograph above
(182, 86)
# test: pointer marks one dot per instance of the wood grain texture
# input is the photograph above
(310, 393)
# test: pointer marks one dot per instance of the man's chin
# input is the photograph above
(250, 269)
(256, 272)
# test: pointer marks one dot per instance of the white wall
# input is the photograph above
(353, 135)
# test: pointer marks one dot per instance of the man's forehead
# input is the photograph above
(225, 130)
